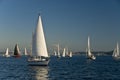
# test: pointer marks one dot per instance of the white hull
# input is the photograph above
(58, 56)
(6, 55)
(91, 57)
(38, 63)
(117, 58)
(70, 56)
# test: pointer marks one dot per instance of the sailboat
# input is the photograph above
(25, 52)
(7, 53)
(116, 53)
(58, 54)
(55, 53)
(67, 53)
(70, 55)
(63, 55)
(89, 54)
(16, 51)
(39, 55)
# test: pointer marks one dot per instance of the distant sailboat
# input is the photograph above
(63, 55)
(58, 54)
(67, 52)
(7, 53)
(89, 54)
(25, 52)
(39, 55)
(116, 53)
(55, 53)
(70, 55)
(16, 51)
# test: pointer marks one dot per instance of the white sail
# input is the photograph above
(25, 52)
(89, 52)
(116, 51)
(58, 51)
(7, 52)
(39, 47)
(63, 55)
(18, 49)
(55, 53)
(70, 55)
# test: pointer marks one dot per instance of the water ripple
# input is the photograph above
(75, 68)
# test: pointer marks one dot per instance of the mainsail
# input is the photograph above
(39, 47)
(55, 53)
(58, 50)
(25, 52)
(70, 55)
(116, 51)
(16, 50)
(7, 52)
(63, 55)
(89, 52)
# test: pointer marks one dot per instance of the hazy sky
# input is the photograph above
(67, 22)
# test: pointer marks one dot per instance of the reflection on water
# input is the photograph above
(75, 68)
(39, 72)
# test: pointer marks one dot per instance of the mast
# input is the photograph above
(39, 47)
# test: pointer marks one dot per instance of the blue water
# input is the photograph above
(75, 68)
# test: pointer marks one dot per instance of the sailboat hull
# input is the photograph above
(91, 57)
(16, 56)
(38, 63)
(7, 55)
(116, 57)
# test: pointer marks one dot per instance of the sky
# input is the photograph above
(67, 22)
